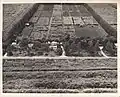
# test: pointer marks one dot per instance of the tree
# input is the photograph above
(24, 42)
(59, 51)
(110, 47)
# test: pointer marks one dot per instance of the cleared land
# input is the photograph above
(107, 12)
(11, 11)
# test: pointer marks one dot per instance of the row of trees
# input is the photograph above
(91, 45)
(71, 45)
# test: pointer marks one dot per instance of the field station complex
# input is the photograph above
(82, 30)
(59, 48)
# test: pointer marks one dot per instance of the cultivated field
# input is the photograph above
(60, 75)
(55, 28)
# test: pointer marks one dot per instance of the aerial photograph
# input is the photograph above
(59, 48)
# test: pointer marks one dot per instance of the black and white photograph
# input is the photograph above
(63, 29)
(59, 48)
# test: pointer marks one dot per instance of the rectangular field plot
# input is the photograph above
(65, 13)
(43, 21)
(40, 8)
(74, 13)
(89, 20)
(56, 20)
(57, 13)
(67, 20)
(60, 75)
(72, 7)
(46, 13)
(70, 30)
(34, 19)
(94, 31)
(56, 28)
(83, 11)
(65, 7)
(48, 7)
(61, 65)
(78, 21)
(36, 35)
(40, 28)
(57, 7)
(55, 36)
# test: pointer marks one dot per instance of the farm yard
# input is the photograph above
(60, 75)
(61, 30)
